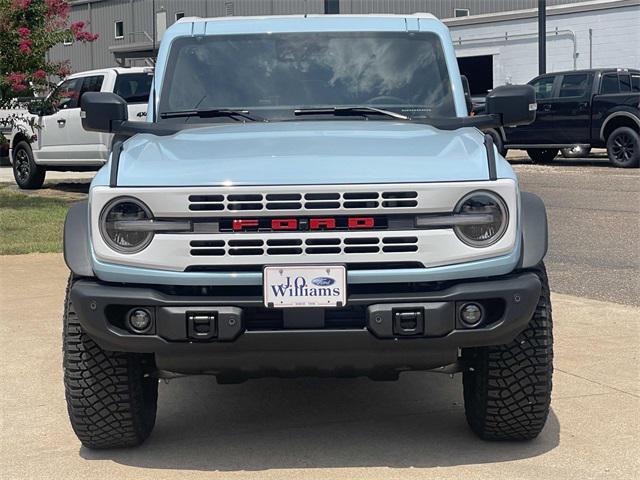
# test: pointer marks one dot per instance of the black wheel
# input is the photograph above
(110, 398)
(27, 174)
(497, 141)
(507, 388)
(576, 151)
(542, 155)
(623, 147)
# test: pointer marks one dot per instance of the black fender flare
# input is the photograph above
(533, 218)
(76, 240)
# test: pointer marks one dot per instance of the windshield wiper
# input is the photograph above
(212, 113)
(363, 111)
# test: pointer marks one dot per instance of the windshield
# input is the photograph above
(275, 74)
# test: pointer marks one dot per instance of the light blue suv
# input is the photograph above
(309, 196)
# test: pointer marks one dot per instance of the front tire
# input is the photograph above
(27, 174)
(507, 388)
(111, 400)
(542, 155)
(623, 147)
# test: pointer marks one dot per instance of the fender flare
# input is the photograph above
(535, 233)
(615, 114)
(76, 240)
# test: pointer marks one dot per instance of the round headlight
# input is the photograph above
(492, 218)
(117, 225)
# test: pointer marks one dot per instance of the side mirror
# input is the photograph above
(467, 93)
(515, 104)
(41, 107)
(38, 108)
(102, 112)
(35, 108)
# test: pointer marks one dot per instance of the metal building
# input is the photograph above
(495, 39)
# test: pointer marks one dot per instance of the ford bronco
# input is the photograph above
(308, 196)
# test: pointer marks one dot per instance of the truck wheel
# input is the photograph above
(575, 152)
(507, 388)
(623, 147)
(110, 399)
(542, 155)
(27, 174)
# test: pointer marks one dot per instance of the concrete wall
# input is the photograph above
(615, 42)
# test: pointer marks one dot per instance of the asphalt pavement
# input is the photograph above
(594, 224)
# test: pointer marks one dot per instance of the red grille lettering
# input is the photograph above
(284, 224)
(244, 224)
(362, 222)
(322, 224)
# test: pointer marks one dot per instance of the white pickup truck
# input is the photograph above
(59, 142)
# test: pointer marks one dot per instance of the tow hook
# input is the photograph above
(409, 322)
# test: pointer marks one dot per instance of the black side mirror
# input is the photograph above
(103, 112)
(41, 107)
(37, 107)
(467, 93)
(515, 104)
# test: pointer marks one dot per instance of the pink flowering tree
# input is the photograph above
(28, 29)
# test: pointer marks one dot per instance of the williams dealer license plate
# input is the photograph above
(305, 286)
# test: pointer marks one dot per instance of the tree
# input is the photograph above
(28, 29)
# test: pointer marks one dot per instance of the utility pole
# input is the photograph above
(542, 36)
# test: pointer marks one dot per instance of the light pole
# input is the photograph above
(542, 36)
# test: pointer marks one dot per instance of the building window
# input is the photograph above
(460, 12)
(179, 15)
(118, 30)
(228, 9)
(67, 42)
(332, 7)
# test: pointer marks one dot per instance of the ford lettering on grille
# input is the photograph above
(302, 224)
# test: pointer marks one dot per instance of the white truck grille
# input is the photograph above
(209, 245)
(297, 201)
(317, 246)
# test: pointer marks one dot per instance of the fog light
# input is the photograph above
(471, 314)
(139, 320)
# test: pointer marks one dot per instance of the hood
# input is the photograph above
(306, 152)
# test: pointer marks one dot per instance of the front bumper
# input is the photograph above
(247, 340)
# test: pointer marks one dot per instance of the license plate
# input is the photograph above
(305, 286)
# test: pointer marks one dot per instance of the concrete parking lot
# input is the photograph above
(348, 429)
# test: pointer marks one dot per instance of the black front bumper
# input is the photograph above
(247, 340)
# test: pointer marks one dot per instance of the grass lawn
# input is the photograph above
(29, 223)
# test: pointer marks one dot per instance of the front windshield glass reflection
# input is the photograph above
(274, 74)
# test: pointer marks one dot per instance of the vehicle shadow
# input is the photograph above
(600, 161)
(317, 423)
(67, 190)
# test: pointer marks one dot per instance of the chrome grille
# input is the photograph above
(254, 202)
(297, 246)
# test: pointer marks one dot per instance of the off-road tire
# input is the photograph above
(110, 400)
(507, 388)
(623, 147)
(27, 174)
(542, 155)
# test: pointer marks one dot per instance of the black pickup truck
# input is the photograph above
(584, 108)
